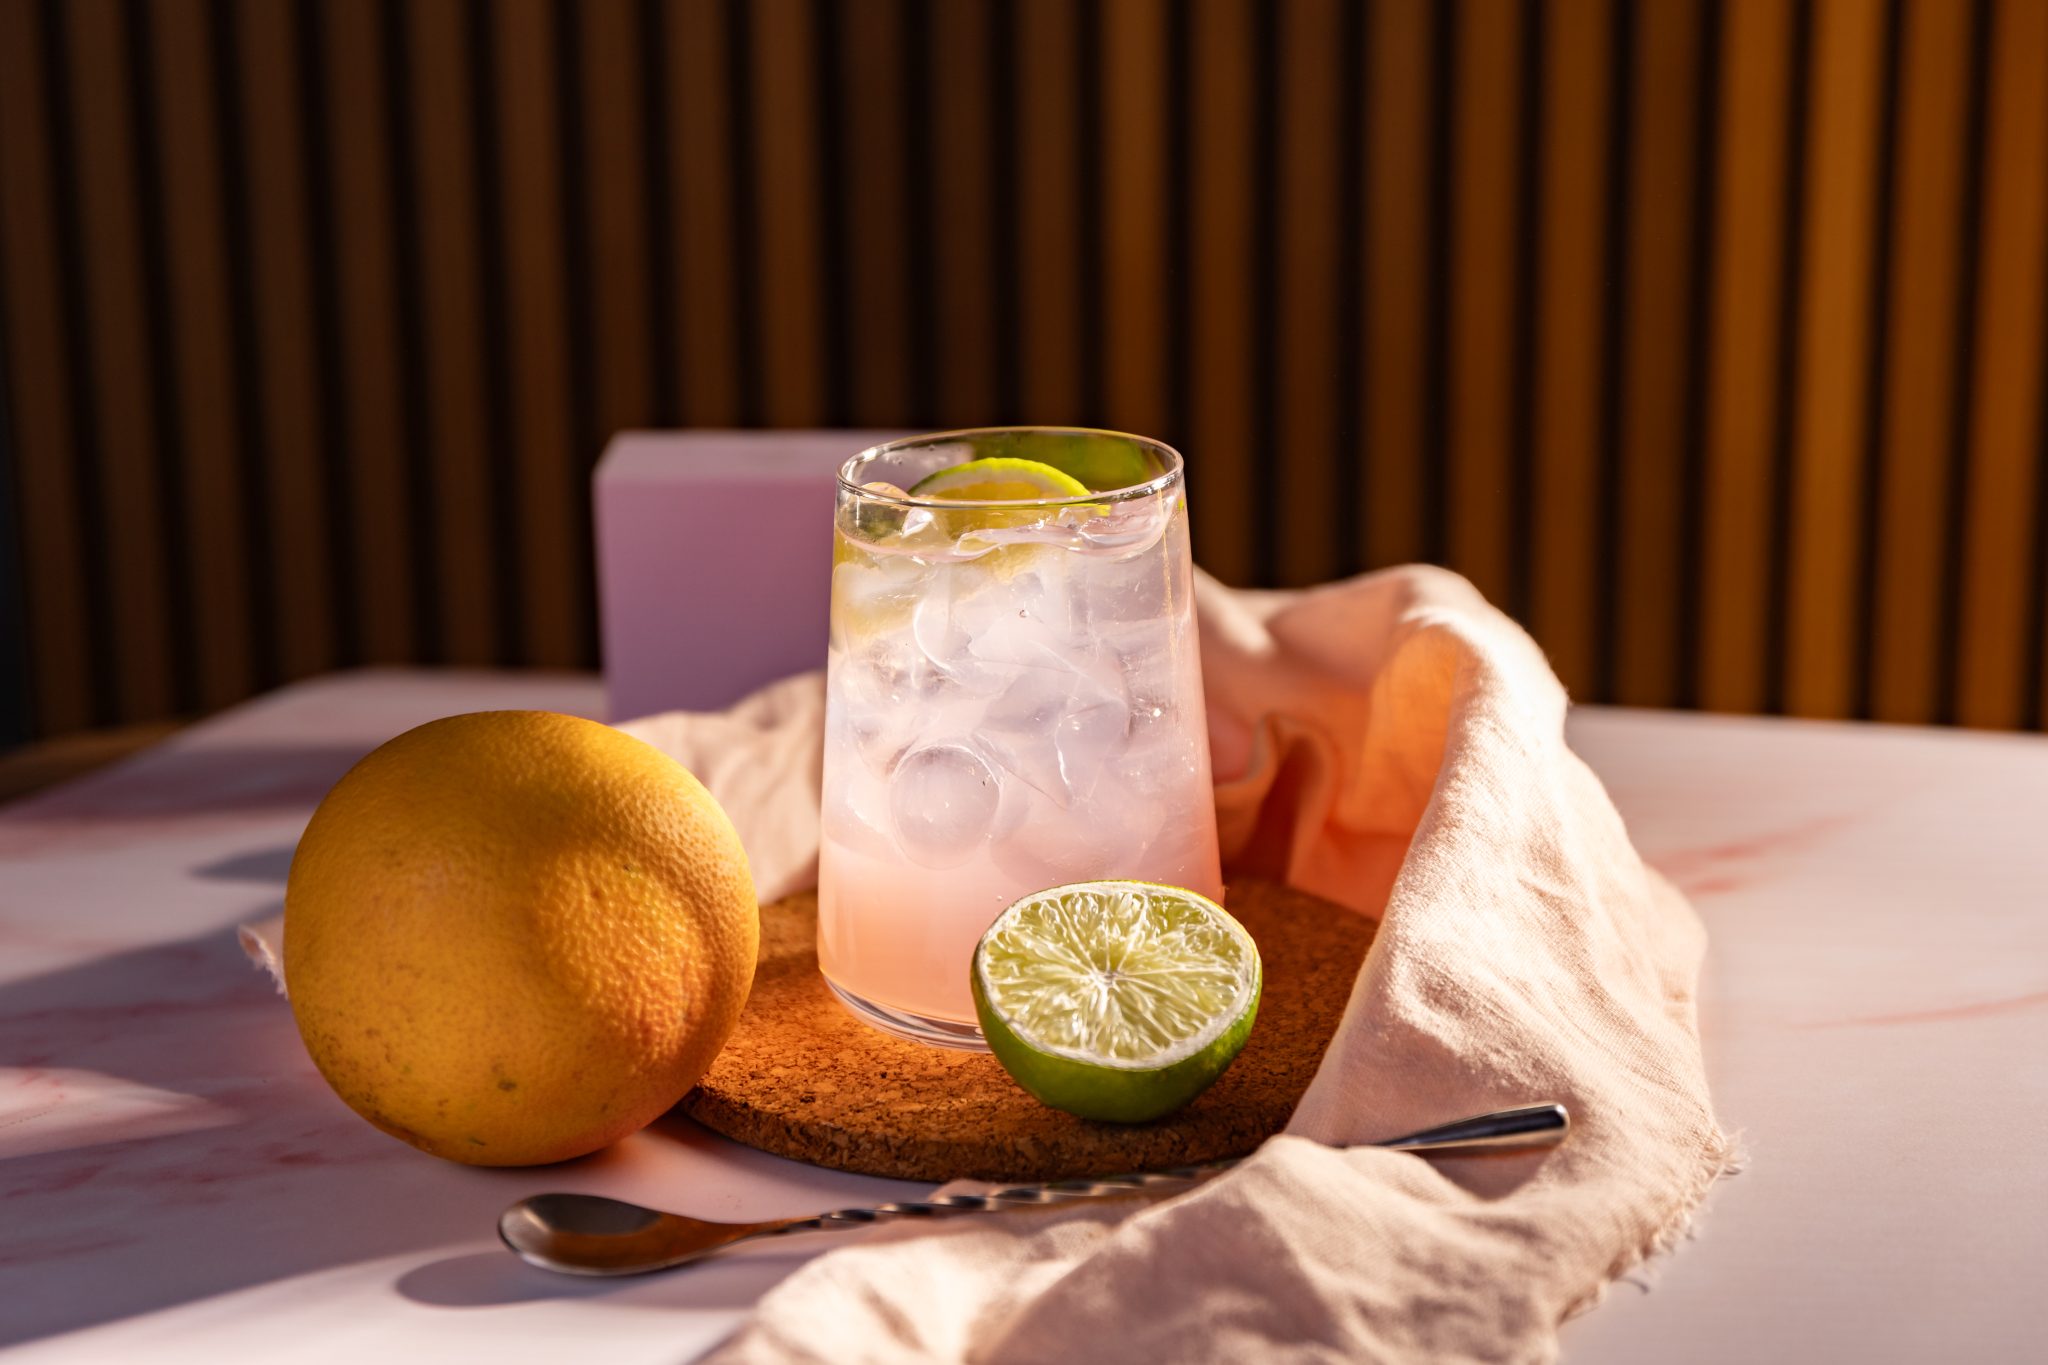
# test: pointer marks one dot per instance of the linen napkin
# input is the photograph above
(1394, 744)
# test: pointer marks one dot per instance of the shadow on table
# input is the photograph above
(172, 787)
(168, 1141)
(493, 1279)
(270, 865)
(489, 1279)
(165, 1140)
(189, 1150)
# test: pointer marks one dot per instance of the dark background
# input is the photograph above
(1706, 336)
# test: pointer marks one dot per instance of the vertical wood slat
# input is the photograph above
(1827, 475)
(1397, 249)
(621, 348)
(1661, 219)
(366, 261)
(1904, 550)
(542, 429)
(835, 301)
(130, 539)
(1351, 209)
(1222, 452)
(2006, 396)
(1056, 210)
(706, 306)
(1743, 346)
(202, 356)
(1301, 472)
(959, 208)
(52, 544)
(579, 270)
(1570, 261)
(789, 292)
(658, 202)
(292, 441)
(875, 249)
(1265, 509)
(1481, 325)
(313, 108)
(251, 490)
(453, 375)
(17, 681)
(1132, 215)
(155, 321)
(618, 245)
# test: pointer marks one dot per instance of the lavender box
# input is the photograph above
(714, 561)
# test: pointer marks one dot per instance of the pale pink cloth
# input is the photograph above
(1395, 744)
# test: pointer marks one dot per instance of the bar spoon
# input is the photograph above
(588, 1234)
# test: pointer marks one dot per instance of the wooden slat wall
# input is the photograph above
(1710, 337)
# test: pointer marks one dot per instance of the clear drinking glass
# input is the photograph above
(1014, 702)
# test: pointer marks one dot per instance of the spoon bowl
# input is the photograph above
(588, 1234)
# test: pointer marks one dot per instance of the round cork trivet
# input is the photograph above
(802, 1078)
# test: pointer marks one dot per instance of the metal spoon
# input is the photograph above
(587, 1234)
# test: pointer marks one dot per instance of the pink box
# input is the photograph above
(714, 561)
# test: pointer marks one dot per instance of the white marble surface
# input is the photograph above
(177, 1184)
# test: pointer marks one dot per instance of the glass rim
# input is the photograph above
(1158, 483)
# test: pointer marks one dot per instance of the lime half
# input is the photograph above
(1002, 480)
(1116, 1000)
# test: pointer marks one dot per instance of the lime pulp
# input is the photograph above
(1113, 1000)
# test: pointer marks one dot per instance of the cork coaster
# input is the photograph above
(803, 1078)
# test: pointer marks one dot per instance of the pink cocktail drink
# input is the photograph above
(1014, 702)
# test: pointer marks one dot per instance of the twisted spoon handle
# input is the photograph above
(1537, 1125)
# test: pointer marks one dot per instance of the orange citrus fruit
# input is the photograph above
(514, 937)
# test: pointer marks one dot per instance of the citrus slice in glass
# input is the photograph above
(1000, 480)
(987, 533)
(1103, 460)
(1112, 1000)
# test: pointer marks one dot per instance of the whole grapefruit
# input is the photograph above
(515, 937)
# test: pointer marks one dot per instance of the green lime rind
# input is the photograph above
(1000, 480)
(1102, 461)
(1116, 1001)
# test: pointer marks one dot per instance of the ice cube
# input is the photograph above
(1159, 758)
(1126, 530)
(1154, 662)
(942, 803)
(1057, 726)
(939, 630)
(1143, 590)
(860, 588)
(1100, 838)
(936, 630)
(1026, 623)
(1088, 739)
(855, 811)
(1017, 730)
(880, 737)
(877, 674)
